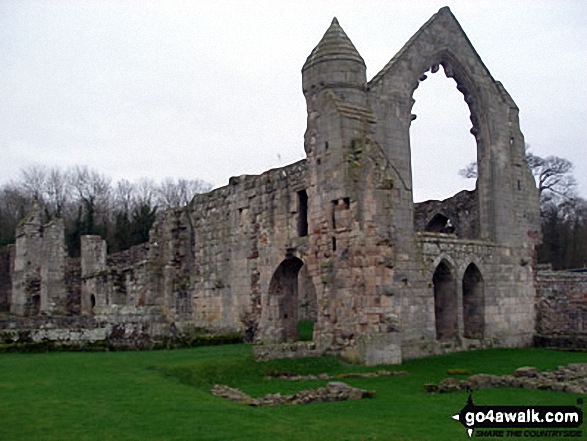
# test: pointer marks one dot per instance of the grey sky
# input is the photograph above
(210, 90)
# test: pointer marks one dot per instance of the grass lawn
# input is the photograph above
(164, 395)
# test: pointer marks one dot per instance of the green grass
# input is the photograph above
(164, 395)
(305, 330)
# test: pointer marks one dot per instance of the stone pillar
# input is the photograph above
(26, 277)
(52, 269)
(93, 262)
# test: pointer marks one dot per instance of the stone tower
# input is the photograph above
(349, 186)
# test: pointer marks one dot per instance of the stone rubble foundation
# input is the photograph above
(334, 391)
(572, 379)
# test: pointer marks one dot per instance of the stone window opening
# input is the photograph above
(36, 304)
(92, 301)
(473, 303)
(440, 224)
(334, 206)
(445, 302)
(341, 215)
(426, 153)
(302, 213)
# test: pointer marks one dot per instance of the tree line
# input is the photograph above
(563, 213)
(123, 212)
(89, 202)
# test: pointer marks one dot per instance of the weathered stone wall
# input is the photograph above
(111, 328)
(212, 262)
(118, 279)
(73, 285)
(505, 300)
(38, 277)
(561, 309)
(461, 210)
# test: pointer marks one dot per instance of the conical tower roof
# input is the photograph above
(335, 45)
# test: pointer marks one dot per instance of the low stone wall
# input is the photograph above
(561, 310)
(115, 328)
(299, 349)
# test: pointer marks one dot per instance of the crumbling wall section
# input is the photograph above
(52, 268)
(461, 209)
(561, 309)
(73, 285)
(119, 279)
(38, 278)
(212, 261)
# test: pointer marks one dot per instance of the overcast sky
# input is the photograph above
(212, 89)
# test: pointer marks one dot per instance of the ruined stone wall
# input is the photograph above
(505, 300)
(73, 285)
(212, 262)
(119, 279)
(111, 328)
(561, 309)
(461, 209)
(38, 277)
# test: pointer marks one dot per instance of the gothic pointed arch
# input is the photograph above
(473, 303)
(494, 121)
(445, 301)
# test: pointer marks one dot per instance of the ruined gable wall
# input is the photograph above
(212, 262)
(507, 197)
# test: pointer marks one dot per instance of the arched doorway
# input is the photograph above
(473, 303)
(445, 302)
(283, 299)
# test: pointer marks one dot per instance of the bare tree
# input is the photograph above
(93, 191)
(57, 191)
(34, 181)
(172, 193)
(124, 196)
(552, 174)
(146, 192)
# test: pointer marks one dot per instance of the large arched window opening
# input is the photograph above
(473, 303)
(441, 142)
(445, 302)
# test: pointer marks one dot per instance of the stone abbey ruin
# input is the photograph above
(335, 238)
